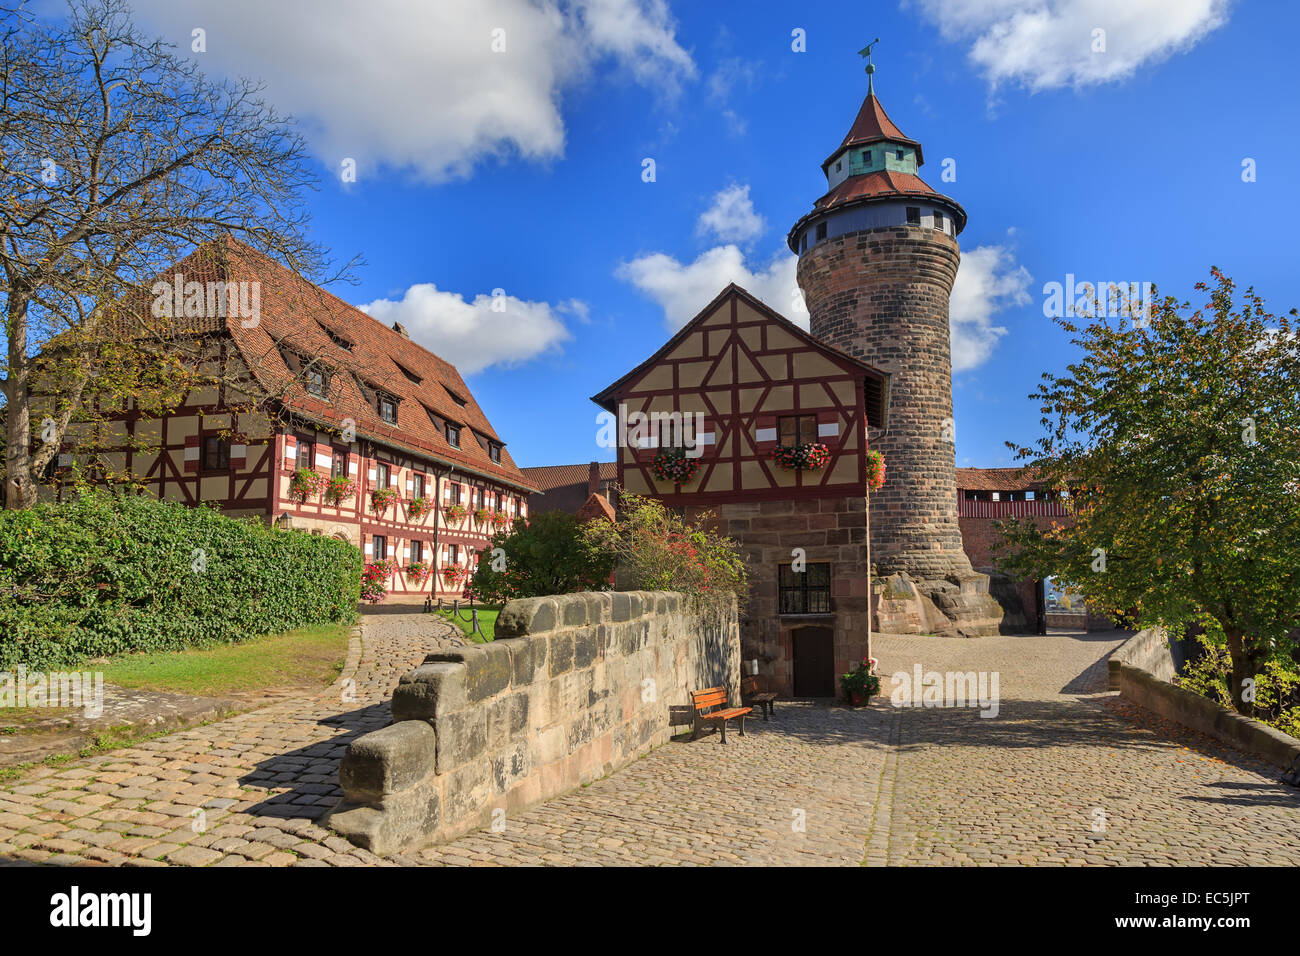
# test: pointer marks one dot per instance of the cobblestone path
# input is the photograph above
(1064, 774)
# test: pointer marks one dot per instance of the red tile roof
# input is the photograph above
(871, 125)
(550, 477)
(596, 506)
(997, 479)
(884, 182)
(299, 317)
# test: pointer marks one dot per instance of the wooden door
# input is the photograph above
(814, 662)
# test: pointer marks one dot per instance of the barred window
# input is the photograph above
(806, 592)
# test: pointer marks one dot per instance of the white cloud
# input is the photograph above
(683, 289)
(988, 281)
(473, 335)
(417, 86)
(731, 217)
(1045, 44)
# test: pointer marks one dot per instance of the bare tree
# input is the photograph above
(119, 158)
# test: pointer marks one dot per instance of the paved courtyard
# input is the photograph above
(1065, 774)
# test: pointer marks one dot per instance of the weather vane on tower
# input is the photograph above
(866, 51)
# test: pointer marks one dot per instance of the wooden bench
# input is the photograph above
(711, 705)
(765, 701)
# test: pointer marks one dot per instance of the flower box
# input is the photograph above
(418, 508)
(419, 572)
(482, 515)
(675, 466)
(875, 470)
(381, 498)
(454, 513)
(339, 488)
(809, 456)
(306, 483)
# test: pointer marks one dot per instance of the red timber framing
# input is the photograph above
(431, 431)
(744, 368)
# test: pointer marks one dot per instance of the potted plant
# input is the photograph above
(875, 470)
(381, 498)
(417, 507)
(419, 571)
(861, 683)
(454, 512)
(809, 456)
(306, 483)
(338, 488)
(674, 465)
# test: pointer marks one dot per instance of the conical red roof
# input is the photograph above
(872, 125)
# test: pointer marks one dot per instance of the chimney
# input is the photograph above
(593, 478)
(400, 329)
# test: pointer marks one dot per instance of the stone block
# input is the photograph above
(387, 760)
(574, 608)
(585, 648)
(461, 738)
(404, 820)
(431, 689)
(487, 668)
(527, 616)
(559, 653)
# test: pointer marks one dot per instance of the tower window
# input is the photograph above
(866, 157)
(938, 220)
(899, 154)
(803, 243)
(913, 215)
(839, 166)
(821, 231)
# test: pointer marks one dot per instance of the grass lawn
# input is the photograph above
(487, 619)
(307, 657)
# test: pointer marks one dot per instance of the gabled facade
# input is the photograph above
(755, 382)
(326, 390)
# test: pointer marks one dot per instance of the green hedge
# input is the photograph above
(106, 574)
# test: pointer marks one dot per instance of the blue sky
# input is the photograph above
(521, 170)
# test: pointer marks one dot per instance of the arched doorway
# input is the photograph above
(813, 654)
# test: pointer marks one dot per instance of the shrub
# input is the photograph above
(657, 550)
(107, 574)
(547, 554)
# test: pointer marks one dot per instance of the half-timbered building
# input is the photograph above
(746, 382)
(318, 417)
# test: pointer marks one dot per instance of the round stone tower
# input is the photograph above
(878, 255)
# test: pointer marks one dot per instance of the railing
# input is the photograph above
(454, 607)
(1007, 509)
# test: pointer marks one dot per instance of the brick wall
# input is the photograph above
(573, 688)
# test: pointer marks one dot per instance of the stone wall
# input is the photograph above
(1141, 670)
(573, 688)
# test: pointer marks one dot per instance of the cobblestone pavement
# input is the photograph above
(820, 784)
(252, 784)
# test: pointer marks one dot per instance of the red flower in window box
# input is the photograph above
(454, 512)
(454, 574)
(419, 572)
(809, 456)
(500, 519)
(482, 515)
(418, 507)
(374, 581)
(306, 483)
(674, 466)
(339, 488)
(381, 498)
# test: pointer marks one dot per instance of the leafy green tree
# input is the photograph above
(1176, 439)
(547, 554)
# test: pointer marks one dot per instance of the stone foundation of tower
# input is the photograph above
(881, 295)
